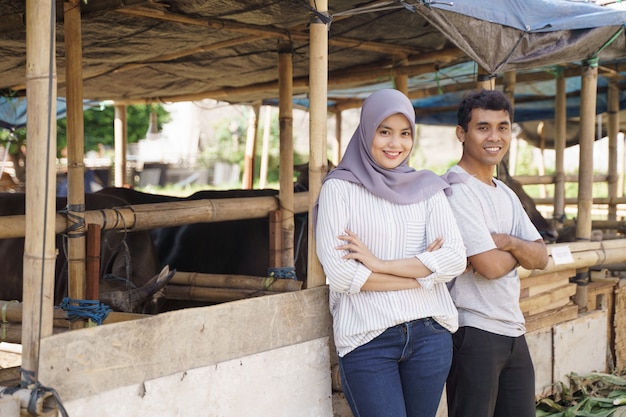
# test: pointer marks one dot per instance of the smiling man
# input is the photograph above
(492, 373)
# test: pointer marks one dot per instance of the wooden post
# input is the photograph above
(39, 250)
(484, 80)
(285, 119)
(75, 153)
(265, 146)
(93, 262)
(338, 123)
(508, 88)
(250, 153)
(560, 125)
(275, 244)
(588, 98)
(121, 139)
(318, 95)
(613, 130)
(401, 79)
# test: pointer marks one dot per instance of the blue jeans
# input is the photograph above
(400, 373)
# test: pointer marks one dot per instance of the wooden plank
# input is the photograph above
(275, 243)
(538, 284)
(548, 301)
(547, 319)
(530, 281)
(619, 327)
(91, 361)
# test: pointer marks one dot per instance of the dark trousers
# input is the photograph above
(491, 376)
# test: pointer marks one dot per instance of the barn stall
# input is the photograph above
(123, 365)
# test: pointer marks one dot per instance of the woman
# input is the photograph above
(388, 243)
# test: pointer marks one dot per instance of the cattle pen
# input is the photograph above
(270, 354)
(274, 352)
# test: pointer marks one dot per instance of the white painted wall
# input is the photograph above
(287, 382)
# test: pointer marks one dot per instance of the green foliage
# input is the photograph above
(591, 395)
(99, 125)
(229, 145)
(13, 139)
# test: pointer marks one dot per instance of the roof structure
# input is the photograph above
(182, 50)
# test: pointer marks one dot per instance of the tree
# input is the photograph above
(99, 125)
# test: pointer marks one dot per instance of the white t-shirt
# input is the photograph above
(480, 210)
(390, 231)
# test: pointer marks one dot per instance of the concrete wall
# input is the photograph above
(262, 356)
(578, 345)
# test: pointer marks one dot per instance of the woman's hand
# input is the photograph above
(436, 244)
(358, 251)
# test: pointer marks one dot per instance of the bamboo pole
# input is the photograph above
(39, 250)
(44, 405)
(242, 282)
(92, 288)
(121, 139)
(600, 224)
(275, 241)
(613, 130)
(151, 216)
(285, 118)
(401, 79)
(338, 138)
(211, 295)
(76, 243)
(318, 96)
(508, 88)
(247, 181)
(587, 135)
(560, 119)
(15, 332)
(265, 146)
(484, 80)
(574, 201)
(588, 89)
(12, 312)
(585, 255)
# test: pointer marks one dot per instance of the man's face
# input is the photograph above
(488, 137)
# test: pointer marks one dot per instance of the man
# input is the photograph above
(492, 373)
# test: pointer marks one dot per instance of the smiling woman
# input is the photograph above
(392, 141)
(388, 245)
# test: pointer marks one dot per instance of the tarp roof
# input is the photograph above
(174, 50)
(13, 111)
(227, 49)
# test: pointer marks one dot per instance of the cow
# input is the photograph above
(236, 247)
(129, 267)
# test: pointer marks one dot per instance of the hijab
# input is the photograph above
(401, 185)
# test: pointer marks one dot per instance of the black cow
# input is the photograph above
(129, 267)
(237, 247)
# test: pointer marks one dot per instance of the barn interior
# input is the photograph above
(553, 58)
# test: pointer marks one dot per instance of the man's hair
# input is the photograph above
(483, 99)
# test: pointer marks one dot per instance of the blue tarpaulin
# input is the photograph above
(13, 111)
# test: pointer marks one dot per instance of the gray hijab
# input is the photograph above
(401, 185)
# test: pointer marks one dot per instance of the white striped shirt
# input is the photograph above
(390, 231)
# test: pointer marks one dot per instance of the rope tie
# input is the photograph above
(37, 391)
(284, 272)
(85, 309)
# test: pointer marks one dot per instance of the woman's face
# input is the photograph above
(392, 141)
